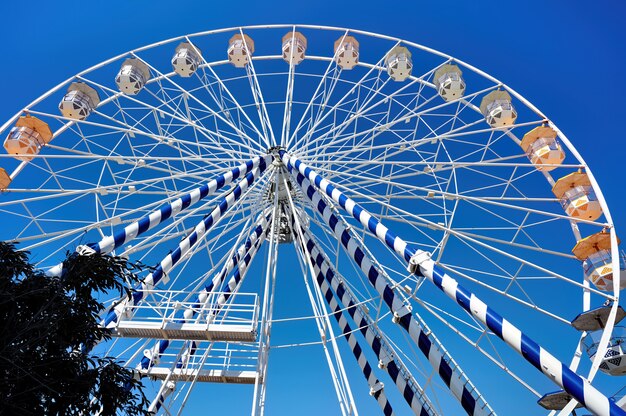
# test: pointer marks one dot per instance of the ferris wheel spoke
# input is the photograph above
(163, 268)
(363, 180)
(232, 98)
(172, 209)
(404, 142)
(48, 237)
(257, 92)
(316, 94)
(477, 241)
(211, 135)
(125, 129)
(422, 265)
(284, 135)
(419, 113)
(459, 385)
(186, 94)
(365, 110)
(303, 141)
(404, 380)
(51, 193)
(374, 132)
(210, 300)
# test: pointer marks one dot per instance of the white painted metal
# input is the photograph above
(391, 145)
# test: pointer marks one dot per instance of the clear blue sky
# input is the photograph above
(566, 57)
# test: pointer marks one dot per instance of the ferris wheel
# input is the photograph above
(318, 198)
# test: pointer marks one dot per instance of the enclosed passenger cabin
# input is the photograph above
(294, 47)
(577, 196)
(399, 63)
(79, 101)
(542, 148)
(5, 179)
(27, 137)
(133, 76)
(595, 253)
(346, 52)
(186, 60)
(240, 49)
(449, 82)
(498, 109)
(614, 361)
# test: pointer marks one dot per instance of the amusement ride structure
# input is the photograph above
(331, 197)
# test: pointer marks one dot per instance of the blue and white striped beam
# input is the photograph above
(171, 209)
(420, 263)
(450, 373)
(242, 257)
(167, 389)
(232, 287)
(170, 261)
(326, 278)
(256, 237)
(376, 386)
(406, 383)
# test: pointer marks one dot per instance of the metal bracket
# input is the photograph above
(376, 388)
(416, 260)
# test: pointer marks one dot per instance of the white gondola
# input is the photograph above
(542, 148)
(294, 47)
(449, 82)
(498, 109)
(27, 137)
(614, 361)
(346, 52)
(577, 196)
(186, 60)
(595, 253)
(399, 63)
(79, 101)
(240, 49)
(133, 76)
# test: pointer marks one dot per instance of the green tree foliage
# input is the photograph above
(48, 327)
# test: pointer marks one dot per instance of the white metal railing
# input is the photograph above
(221, 308)
(223, 358)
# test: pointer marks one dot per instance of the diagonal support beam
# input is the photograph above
(448, 370)
(239, 261)
(170, 261)
(327, 278)
(376, 387)
(420, 263)
(171, 209)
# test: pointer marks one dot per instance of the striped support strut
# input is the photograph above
(326, 278)
(376, 387)
(171, 209)
(241, 259)
(231, 287)
(451, 374)
(168, 263)
(421, 263)
(167, 391)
